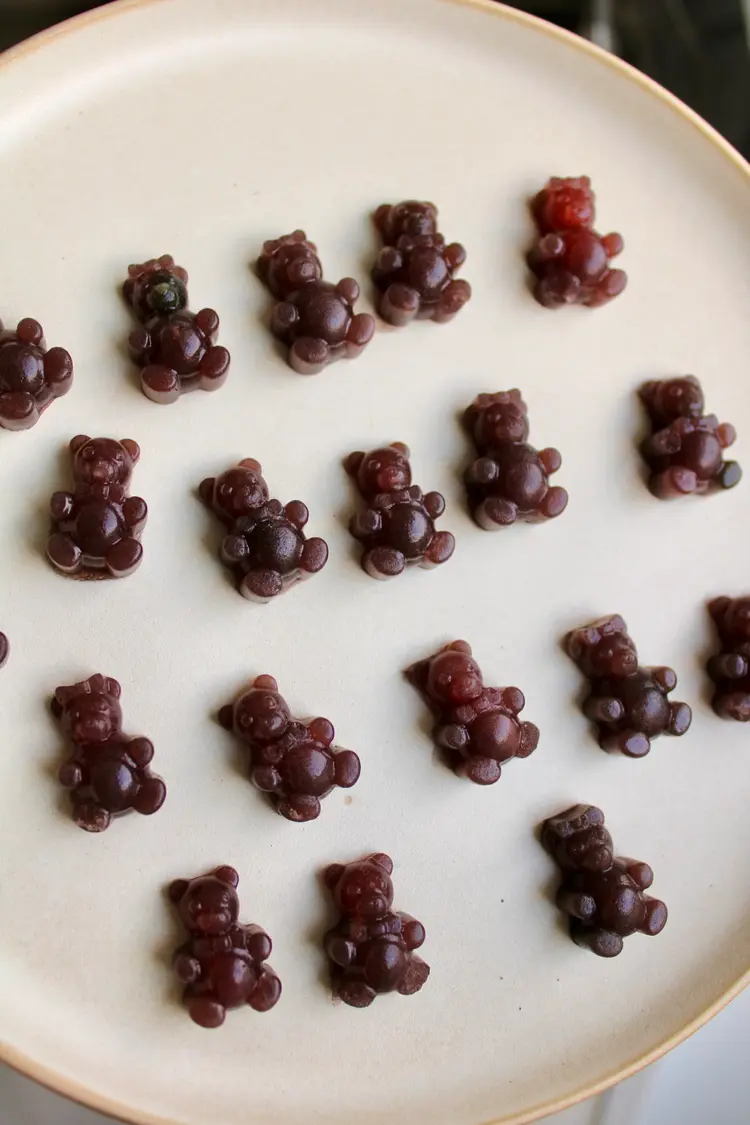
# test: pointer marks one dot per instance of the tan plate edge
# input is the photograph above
(73, 1090)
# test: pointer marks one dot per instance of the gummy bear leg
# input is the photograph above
(631, 743)
(554, 503)
(417, 972)
(63, 553)
(576, 904)
(70, 774)
(346, 768)
(356, 993)
(399, 304)
(482, 771)
(150, 796)
(673, 482)
(361, 331)
(529, 740)
(160, 384)
(732, 705)
(261, 585)
(730, 475)
(383, 562)
(440, 549)
(601, 942)
(300, 807)
(309, 355)
(453, 298)
(314, 555)
(214, 368)
(266, 992)
(18, 411)
(656, 917)
(125, 557)
(206, 1013)
(495, 512)
(90, 816)
(680, 718)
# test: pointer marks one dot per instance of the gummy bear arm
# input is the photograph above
(61, 505)
(413, 931)
(666, 678)
(434, 502)
(341, 951)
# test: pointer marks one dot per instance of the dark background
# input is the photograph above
(698, 49)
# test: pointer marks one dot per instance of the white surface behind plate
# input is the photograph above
(202, 134)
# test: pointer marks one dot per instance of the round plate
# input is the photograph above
(168, 127)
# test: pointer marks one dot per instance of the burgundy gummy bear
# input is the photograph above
(570, 260)
(223, 963)
(4, 649)
(107, 773)
(30, 376)
(266, 546)
(628, 704)
(730, 667)
(398, 526)
(315, 319)
(175, 348)
(371, 948)
(294, 762)
(509, 480)
(414, 272)
(478, 727)
(96, 528)
(685, 451)
(602, 894)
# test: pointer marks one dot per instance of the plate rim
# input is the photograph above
(75, 1091)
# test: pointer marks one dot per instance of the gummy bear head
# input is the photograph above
(498, 418)
(90, 711)
(670, 399)
(261, 715)
(103, 461)
(603, 649)
(410, 217)
(454, 677)
(383, 470)
(737, 621)
(363, 889)
(208, 905)
(239, 491)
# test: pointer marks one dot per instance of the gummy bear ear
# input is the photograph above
(613, 624)
(132, 448)
(380, 859)
(112, 687)
(403, 449)
(265, 683)
(459, 646)
(332, 874)
(252, 464)
(176, 889)
(227, 875)
(78, 442)
(352, 463)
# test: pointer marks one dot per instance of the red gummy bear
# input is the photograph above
(107, 773)
(414, 271)
(509, 480)
(685, 451)
(97, 527)
(398, 526)
(30, 376)
(223, 964)
(175, 348)
(629, 704)
(294, 762)
(265, 546)
(478, 727)
(603, 895)
(730, 667)
(314, 318)
(570, 260)
(371, 949)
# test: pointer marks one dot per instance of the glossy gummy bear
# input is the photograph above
(371, 948)
(602, 894)
(312, 317)
(31, 377)
(293, 761)
(96, 528)
(265, 545)
(629, 704)
(107, 773)
(175, 348)
(397, 528)
(570, 261)
(729, 668)
(223, 963)
(685, 450)
(414, 271)
(509, 480)
(477, 727)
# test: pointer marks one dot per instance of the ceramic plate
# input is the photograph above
(201, 131)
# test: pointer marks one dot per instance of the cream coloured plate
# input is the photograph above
(202, 130)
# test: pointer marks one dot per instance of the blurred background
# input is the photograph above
(698, 49)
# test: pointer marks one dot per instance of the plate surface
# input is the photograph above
(201, 131)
